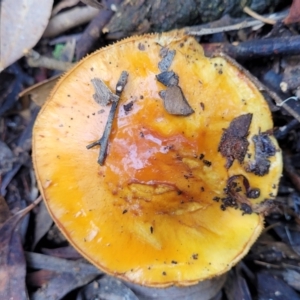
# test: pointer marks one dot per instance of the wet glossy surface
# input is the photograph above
(148, 214)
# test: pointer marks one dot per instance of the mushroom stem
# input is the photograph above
(103, 141)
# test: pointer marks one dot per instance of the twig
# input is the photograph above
(103, 141)
(207, 31)
(200, 30)
(288, 99)
(256, 16)
(267, 265)
(281, 266)
(257, 48)
(31, 206)
(283, 131)
(69, 19)
(23, 142)
(21, 213)
(34, 59)
(271, 227)
(93, 31)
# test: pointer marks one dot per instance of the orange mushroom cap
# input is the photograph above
(179, 197)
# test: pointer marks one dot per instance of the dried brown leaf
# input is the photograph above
(292, 277)
(294, 14)
(93, 3)
(59, 284)
(59, 265)
(270, 286)
(4, 210)
(12, 260)
(40, 91)
(40, 278)
(106, 288)
(43, 222)
(236, 286)
(22, 25)
(59, 276)
(272, 251)
(62, 5)
(175, 102)
(7, 158)
(67, 252)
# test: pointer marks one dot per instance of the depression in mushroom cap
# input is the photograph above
(180, 195)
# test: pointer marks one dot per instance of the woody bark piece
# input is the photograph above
(139, 16)
(174, 101)
(256, 49)
(93, 31)
(233, 144)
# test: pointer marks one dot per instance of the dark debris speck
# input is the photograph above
(217, 199)
(141, 47)
(207, 162)
(195, 256)
(128, 107)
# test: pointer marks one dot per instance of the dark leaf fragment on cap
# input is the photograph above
(174, 101)
(128, 107)
(168, 78)
(264, 148)
(239, 194)
(103, 95)
(167, 58)
(234, 144)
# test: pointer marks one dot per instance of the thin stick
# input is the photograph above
(258, 48)
(207, 31)
(34, 59)
(255, 15)
(200, 30)
(103, 141)
(27, 209)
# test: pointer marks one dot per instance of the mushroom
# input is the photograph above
(181, 194)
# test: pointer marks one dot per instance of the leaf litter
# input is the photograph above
(277, 250)
(14, 39)
(12, 259)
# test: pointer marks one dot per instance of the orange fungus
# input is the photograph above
(188, 170)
